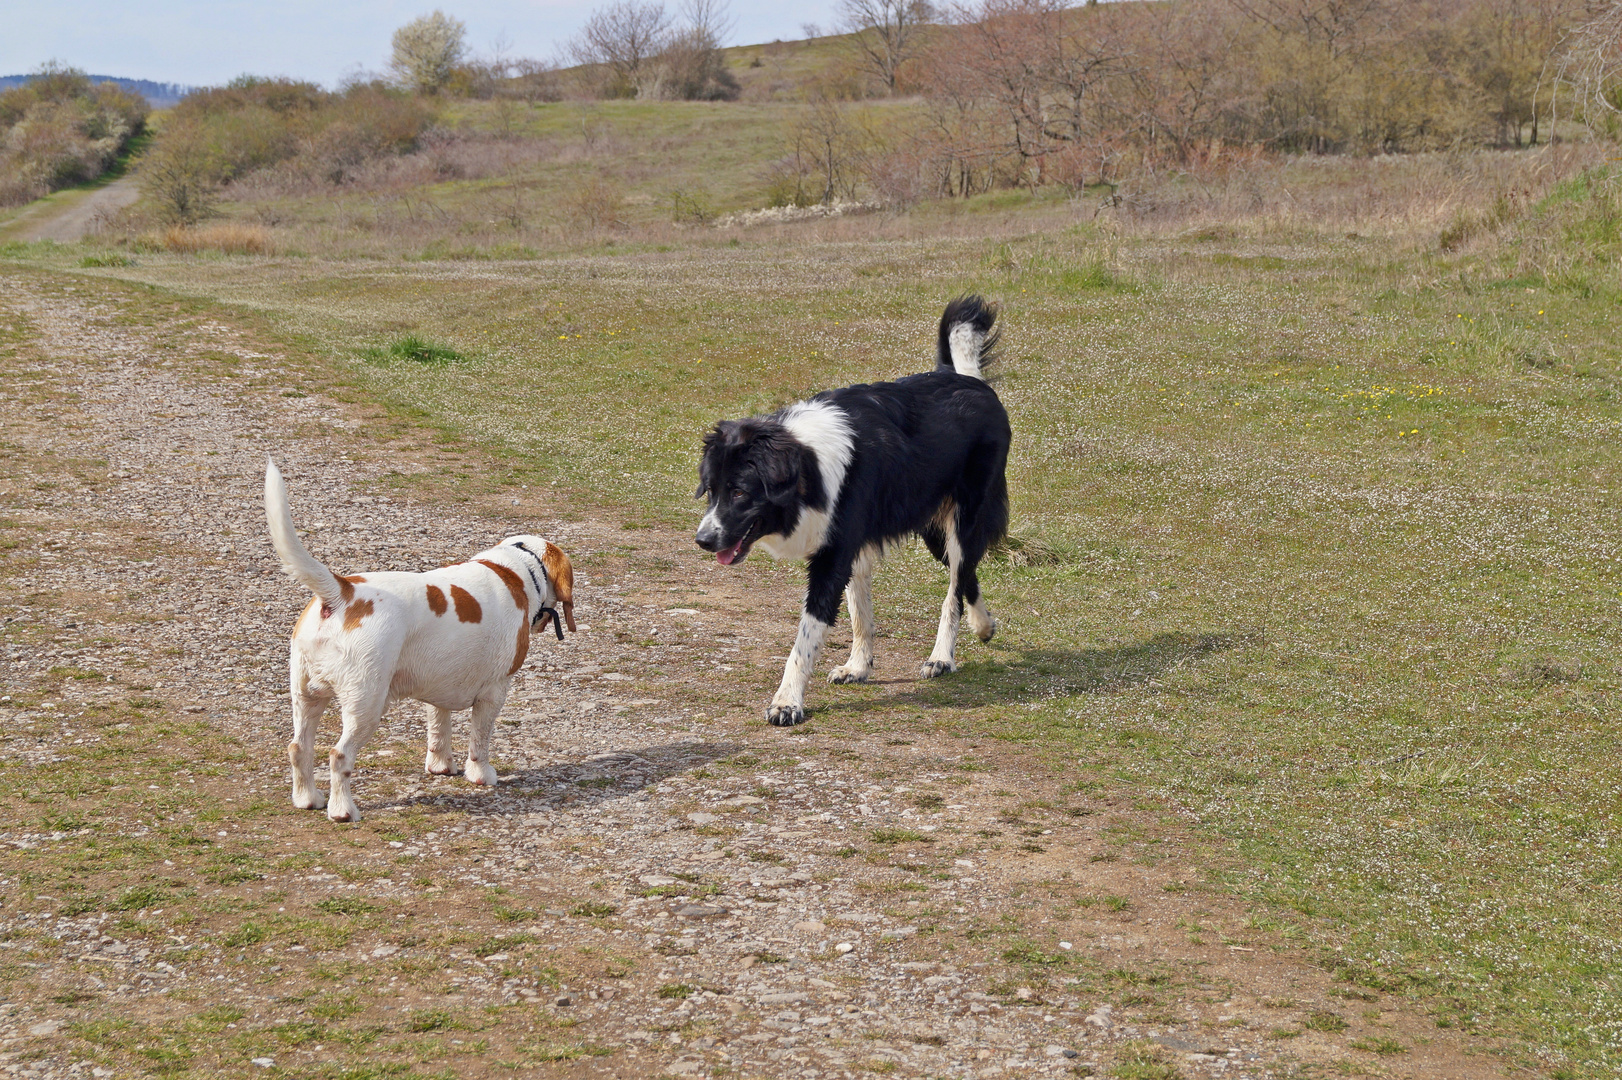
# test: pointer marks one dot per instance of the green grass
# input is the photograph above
(411, 349)
(1323, 535)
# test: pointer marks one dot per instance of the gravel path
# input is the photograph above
(68, 221)
(776, 906)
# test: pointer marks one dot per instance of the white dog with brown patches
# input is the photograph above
(452, 638)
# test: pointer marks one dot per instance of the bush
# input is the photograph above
(181, 174)
(219, 136)
(597, 204)
(58, 129)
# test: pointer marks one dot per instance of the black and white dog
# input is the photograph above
(834, 479)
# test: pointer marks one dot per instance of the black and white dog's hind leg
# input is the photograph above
(942, 539)
(830, 572)
(959, 536)
(963, 588)
(859, 599)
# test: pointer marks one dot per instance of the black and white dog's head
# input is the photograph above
(772, 477)
(757, 475)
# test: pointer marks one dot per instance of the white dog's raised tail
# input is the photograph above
(297, 562)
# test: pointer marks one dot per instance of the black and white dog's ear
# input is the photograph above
(708, 461)
(782, 460)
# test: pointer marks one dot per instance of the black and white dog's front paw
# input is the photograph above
(934, 669)
(785, 715)
(845, 673)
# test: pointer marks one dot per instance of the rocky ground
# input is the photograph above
(661, 884)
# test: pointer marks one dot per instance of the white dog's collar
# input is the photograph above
(542, 611)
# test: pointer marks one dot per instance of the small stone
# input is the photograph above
(809, 926)
(699, 911)
(657, 880)
(564, 1001)
(263, 1063)
(701, 818)
(844, 947)
(384, 950)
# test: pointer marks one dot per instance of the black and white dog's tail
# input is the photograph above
(968, 338)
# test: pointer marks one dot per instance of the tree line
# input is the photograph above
(1040, 91)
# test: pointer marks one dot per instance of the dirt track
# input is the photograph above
(65, 224)
(707, 893)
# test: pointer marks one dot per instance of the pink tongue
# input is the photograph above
(725, 557)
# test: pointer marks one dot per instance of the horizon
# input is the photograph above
(196, 45)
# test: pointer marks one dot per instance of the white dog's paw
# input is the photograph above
(481, 773)
(435, 765)
(785, 715)
(934, 669)
(310, 800)
(849, 673)
(341, 812)
(986, 630)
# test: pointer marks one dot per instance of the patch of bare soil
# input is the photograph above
(660, 886)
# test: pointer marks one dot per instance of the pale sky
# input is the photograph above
(207, 42)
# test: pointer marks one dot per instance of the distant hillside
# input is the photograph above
(158, 95)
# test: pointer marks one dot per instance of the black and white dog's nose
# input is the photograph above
(709, 536)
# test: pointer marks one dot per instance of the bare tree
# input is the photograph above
(692, 67)
(625, 38)
(710, 18)
(1589, 70)
(427, 50)
(884, 33)
(828, 154)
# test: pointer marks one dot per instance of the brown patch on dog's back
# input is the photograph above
(436, 600)
(514, 583)
(561, 573)
(522, 650)
(355, 612)
(346, 585)
(467, 608)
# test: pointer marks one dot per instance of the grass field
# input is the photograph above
(1316, 535)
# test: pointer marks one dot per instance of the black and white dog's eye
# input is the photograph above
(737, 493)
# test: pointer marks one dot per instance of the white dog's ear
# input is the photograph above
(561, 573)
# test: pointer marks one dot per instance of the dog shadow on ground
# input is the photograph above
(578, 784)
(1014, 674)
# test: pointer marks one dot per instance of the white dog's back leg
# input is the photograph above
(307, 711)
(361, 718)
(438, 760)
(478, 769)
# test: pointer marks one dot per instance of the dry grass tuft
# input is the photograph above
(226, 237)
